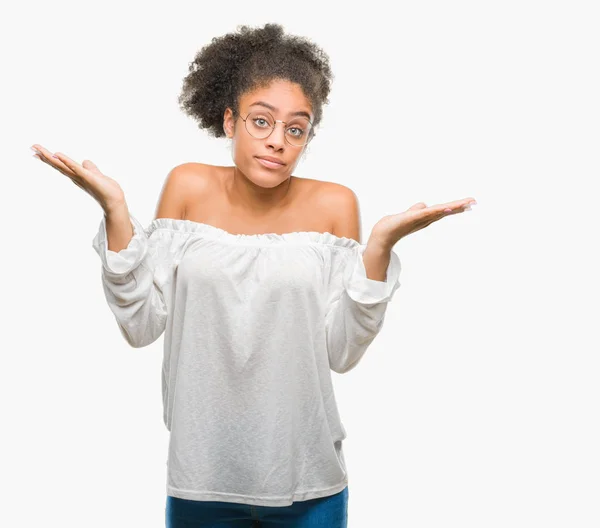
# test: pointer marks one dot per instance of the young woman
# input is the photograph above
(262, 286)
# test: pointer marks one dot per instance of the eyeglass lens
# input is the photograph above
(260, 124)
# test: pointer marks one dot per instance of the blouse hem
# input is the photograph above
(256, 501)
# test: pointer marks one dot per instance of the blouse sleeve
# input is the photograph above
(356, 306)
(135, 279)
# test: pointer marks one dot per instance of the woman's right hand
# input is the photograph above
(106, 191)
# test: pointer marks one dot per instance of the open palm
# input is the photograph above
(392, 228)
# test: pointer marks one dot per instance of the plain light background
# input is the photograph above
(478, 403)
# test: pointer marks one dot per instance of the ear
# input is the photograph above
(228, 123)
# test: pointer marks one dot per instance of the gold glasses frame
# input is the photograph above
(275, 121)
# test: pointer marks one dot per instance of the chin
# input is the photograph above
(268, 179)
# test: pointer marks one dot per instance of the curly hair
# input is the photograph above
(236, 63)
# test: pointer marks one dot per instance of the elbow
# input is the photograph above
(138, 338)
(344, 358)
(342, 369)
(347, 361)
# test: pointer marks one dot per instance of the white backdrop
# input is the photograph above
(477, 405)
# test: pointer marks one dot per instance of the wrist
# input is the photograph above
(116, 210)
(378, 245)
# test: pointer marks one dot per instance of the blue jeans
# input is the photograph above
(323, 512)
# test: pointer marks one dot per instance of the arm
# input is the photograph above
(134, 277)
(346, 223)
(362, 282)
(119, 228)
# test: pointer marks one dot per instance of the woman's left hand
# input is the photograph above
(392, 228)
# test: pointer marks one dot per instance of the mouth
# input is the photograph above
(269, 164)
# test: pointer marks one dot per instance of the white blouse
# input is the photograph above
(253, 326)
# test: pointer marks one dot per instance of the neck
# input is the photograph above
(245, 195)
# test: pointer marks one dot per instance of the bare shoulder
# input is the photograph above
(326, 192)
(344, 207)
(182, 182)
(332, 190)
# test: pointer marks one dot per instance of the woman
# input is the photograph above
(261, 285)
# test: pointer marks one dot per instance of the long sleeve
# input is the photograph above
(135, 279)
(356, 306)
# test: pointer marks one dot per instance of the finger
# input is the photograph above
(426, 215)
(450, 208)
(46, 157)
(458, 204)
(41, 151)
(90, 165)
(74, 166)
(423, 213)
(54, 165)
(437, 212)
(418, 206)
(76, 172)
(50, 158)
(449, 211)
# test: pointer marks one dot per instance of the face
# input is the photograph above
(282, 99)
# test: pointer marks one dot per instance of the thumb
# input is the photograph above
(417, 206)
(87, 164)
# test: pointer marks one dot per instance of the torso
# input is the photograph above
(208, 204)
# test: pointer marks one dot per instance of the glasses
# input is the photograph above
(260, 125)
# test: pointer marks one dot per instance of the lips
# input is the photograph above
(271, 158)
(270, 162)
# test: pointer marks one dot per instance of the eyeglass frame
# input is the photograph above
(273, 128)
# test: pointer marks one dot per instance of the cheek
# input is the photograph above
(243, 151)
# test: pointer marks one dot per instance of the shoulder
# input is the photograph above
(194, 176)
(182, 182)
(343, 204)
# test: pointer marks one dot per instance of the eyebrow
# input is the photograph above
(271, 107)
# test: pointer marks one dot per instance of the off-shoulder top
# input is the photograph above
(253, 326)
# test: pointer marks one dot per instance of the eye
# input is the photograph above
(299, 132)
(262, 120)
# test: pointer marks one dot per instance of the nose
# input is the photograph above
(277, 138)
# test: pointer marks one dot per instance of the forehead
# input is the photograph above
(286, 97)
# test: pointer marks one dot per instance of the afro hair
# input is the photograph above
(236, 63)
